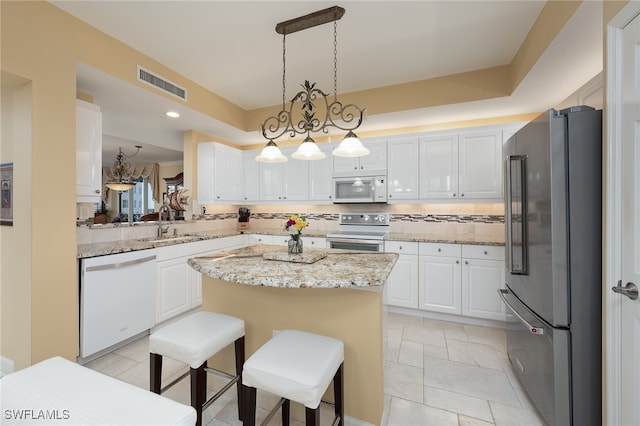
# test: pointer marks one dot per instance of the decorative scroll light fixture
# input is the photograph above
(121, 179)
(344, 117)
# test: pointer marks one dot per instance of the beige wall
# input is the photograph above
(43, 45)
(15, 241)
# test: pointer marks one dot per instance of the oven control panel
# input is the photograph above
(364, 219)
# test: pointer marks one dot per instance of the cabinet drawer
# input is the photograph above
(483, 252)
(401, 247)
(438, 249)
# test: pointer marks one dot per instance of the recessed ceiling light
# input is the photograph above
(172, 114)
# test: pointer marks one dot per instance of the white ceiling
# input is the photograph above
(232, 49)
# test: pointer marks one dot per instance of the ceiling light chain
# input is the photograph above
(344, 117)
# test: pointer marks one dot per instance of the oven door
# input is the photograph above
(356, 244)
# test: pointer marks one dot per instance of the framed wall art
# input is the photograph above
(6, 186)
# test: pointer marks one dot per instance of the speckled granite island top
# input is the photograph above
(338, 269)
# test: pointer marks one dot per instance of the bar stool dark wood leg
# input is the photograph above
(155, 374)
(338, 392)
(249, 402)
(286, 409)
(239, 348)
(312, 417)
(198, 390)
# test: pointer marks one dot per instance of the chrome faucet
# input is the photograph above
(161, 230)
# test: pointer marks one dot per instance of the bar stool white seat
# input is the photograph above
(193, 340)
(297, 366)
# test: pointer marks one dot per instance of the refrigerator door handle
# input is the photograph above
(532, 329)
(516, 222)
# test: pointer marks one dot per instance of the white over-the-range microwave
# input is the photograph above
(360, 189)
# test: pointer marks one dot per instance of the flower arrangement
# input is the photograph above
(295, 224)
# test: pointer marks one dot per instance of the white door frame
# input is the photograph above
(613, 215)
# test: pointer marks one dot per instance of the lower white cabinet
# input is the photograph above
(402, 285)
(483, 274)
(178, 285)
(448, 278)
(282, 240)
(440, 273)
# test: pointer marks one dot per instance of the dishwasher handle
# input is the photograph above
(533, 329)
(120, 264)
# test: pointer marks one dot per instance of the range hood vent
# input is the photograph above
(161, 83)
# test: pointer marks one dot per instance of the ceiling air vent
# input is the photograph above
(161, 83)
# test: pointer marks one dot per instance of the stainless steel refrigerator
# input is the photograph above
(553, 178)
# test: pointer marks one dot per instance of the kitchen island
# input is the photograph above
(338, 295)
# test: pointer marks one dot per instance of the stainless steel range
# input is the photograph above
(360, 231)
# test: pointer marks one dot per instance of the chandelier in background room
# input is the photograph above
(301, 115)
(120, 177)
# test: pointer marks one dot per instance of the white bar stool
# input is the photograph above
(297, 366)
(193, 340)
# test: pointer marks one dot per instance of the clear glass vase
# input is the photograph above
(294, 246)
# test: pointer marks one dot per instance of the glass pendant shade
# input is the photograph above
(120, 186)
(350, 146)
(308, 150)
(271, 154)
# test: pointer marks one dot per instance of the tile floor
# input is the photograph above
(436, 373)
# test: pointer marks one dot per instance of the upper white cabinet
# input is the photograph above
(88, 152)
(373, 163)
(251, 171)
(320, 172)
(402, 173)
(480, 164)
(284, 181)
(461, 166)
(220, 175)
(439, 166)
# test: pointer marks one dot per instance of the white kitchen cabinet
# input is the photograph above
(285, 181)
(296, 177)
(464, 165)
(402, 173)
(374, 163)
(480, 164)
(483, 274)
(438, 175)
(251, 181)
(440, 272)
(88, 152)
(320, 174)
(220, 177)
(401, 288)
(313, 242)
(178, 285)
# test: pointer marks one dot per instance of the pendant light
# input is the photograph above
(299, 117)
(271, 154)
(120, 177)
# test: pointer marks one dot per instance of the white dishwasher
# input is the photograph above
(117, 299)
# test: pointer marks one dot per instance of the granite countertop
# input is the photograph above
(448, 239)
(338, 269)
(123, 246)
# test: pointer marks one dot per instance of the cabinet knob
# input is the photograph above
(218, 197)
(454, 194)
(97, 191)
(466, 262)
(400, 247)
(439, 250)
(284, 198)
(245, 198)
(390, 195)
(462, 195)
(355, 167)
(329, 196)
(361, 167)
(457, 261)
(485, 252)
(313, 242)
(279, 198)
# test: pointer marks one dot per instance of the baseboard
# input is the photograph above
(446, 317)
